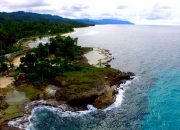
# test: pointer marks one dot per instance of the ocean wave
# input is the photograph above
(27, 122)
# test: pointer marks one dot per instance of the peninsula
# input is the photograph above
(54, 74)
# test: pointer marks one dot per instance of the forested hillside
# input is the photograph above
(17, 25)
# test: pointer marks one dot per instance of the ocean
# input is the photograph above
(150, 102)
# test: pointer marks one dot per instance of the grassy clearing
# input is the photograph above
(11, 112)
(84, 80)
(31, 92)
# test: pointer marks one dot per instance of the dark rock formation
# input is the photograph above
(102, 92)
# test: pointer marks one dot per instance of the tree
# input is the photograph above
(3, 38)
(3, 66)
(44, 69)
(17, 25)
(38, 66)
(29, 60)
(42, 50)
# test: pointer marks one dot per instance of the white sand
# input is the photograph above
(46, 39)
(16, 60)
(43, 40)
(5, 81)
(98, 57)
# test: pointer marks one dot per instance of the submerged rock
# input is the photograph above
(50, 91)
(3, 103)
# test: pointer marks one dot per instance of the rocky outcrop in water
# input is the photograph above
(102, 94)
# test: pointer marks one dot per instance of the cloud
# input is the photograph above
(74, 8)
(159, 12)
(157, 16)
(158, 8)
(85, 15)
(122, 7)
(164, 7)
(74, 11)
(139, 11)
(79, 7)
(3, 3)
(28, 4)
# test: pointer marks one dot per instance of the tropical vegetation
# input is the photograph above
(49, 60)
(17, 25)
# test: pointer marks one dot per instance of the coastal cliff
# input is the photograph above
(91, 80)
(91, 84)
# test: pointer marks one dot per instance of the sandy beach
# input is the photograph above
(16, 60)
(98, 57)
(70, 33)
(5, 81)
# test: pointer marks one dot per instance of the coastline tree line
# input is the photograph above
(49, 60)
(17, 25)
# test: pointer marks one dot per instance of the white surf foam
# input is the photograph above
(27, 125)
(119, 97)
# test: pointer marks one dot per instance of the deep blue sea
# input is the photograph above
(152, 100)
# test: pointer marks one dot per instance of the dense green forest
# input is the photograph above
(47, 61)
(17, 25)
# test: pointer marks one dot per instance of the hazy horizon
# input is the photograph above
(154, 12)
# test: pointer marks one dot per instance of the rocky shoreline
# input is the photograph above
(99, 57)
(68, 93)
(102, 94)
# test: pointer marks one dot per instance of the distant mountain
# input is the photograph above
(27, 16)
(104, 21)
(35, 17)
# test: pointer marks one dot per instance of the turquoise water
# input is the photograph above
(151, 102)
(164, 102)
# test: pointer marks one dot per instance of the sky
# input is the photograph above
(148, 12)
